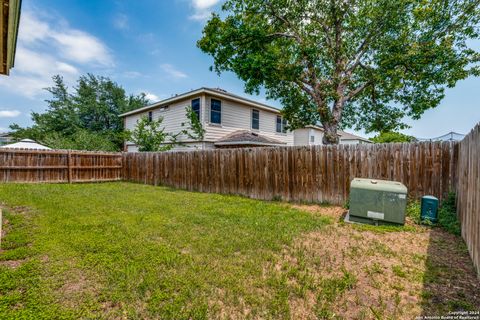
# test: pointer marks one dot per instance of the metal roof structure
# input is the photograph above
(26, 144)
(451, 136)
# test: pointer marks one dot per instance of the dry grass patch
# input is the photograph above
(353, 272)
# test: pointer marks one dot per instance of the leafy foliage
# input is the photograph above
(151, 136)
(390, 137)
(81, 139)
(195, 130)
(447, 215)
(86, 119)
(359, 63)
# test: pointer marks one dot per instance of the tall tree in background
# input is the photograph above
(86, 118)
(347, 63)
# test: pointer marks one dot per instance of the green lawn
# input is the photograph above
(131, 251)
(121, 250)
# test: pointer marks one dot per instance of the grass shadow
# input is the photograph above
(450, 282)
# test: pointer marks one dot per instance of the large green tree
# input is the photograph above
(347, 63)
(85, 118)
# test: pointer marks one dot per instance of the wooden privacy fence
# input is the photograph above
(468, 193)
(17, 165)
(312, 174)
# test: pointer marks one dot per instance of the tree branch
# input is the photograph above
(356, 91)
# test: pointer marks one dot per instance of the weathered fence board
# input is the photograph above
(468, 192)
(313, 174)
(17, 165)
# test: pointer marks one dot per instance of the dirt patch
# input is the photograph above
(12, 263)
(336, 213)
(348, 272)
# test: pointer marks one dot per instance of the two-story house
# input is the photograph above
(229, 120)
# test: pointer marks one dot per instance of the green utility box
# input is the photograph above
(377, 201)
(429, 209)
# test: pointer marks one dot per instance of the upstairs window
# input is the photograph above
(163, 108)
(281, 125)
(196, 107)
(312, 139)
(150, 116)
(216, 111)
(255, 119)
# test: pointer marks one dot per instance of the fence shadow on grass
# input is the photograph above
(450, 282)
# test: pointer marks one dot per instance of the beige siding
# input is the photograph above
(302, 137)
(236, 116)
(318, 134)
(351, 141)
(173, 117)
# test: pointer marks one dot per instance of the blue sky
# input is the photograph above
(149, 46)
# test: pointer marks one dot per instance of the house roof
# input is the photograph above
(219, 93)
(245, 137)
(9, 21)
(25, 144)
(348, 136)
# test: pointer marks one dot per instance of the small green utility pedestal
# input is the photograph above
(429, 209)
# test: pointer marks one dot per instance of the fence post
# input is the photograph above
(69, 166)
(1, 223)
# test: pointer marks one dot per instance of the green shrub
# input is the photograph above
(413, 211)
(447, 215)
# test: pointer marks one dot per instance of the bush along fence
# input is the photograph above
(310, 174)
(17, 165)
(468, 193)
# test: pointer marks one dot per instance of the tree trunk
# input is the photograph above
(330, 134)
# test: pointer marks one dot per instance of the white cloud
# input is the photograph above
(173, 72)
(202, 9)
(120, 22)
(48, 46)
(33, 72)
(28, 61)
(73, 45)
(82, 47)
(152, 97)
(9, 113)
(204, 4)
(32, 29)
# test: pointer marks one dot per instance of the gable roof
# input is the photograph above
(348, 136)
(246, 137)
(219, 93)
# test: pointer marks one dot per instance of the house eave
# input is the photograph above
(9, 23)
(240, 143)
(214, 93)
